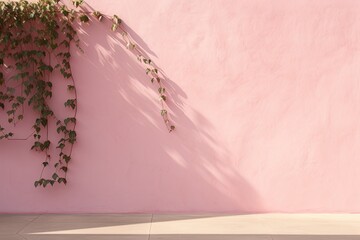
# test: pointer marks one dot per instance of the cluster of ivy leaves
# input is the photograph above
(35, 42)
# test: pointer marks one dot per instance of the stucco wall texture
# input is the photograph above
(265, 96)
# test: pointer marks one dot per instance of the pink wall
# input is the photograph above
(266, 100)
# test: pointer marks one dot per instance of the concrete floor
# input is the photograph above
(179, 227)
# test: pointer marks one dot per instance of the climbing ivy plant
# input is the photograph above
(35, 42)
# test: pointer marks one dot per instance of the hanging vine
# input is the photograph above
(35, 42)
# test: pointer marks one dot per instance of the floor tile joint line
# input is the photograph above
(18, 232)
(152, 216)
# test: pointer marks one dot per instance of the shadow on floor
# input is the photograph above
(196, 237)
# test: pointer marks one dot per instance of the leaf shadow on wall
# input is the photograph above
(147, 168)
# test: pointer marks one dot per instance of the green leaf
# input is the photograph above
(55, 176)
(60, 180)
(20, 99)
(72, 136)
(44, 67)
(44, 121)
(161, 90)
(45, 182)
(163, 112)
(61, 129)
(70, 103)
(116, 20)
(84, 18)
(98, 15)
(46, 144)
(114, 26)
(61, 146)
(70, 87)
(72, 120)
(147, 61)
(66, 158)
(77, 3)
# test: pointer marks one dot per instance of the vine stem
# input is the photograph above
(155, 75)
(47, 159)
(21, 139)
(75, 111)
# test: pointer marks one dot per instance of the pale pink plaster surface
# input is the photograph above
(266, 100)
